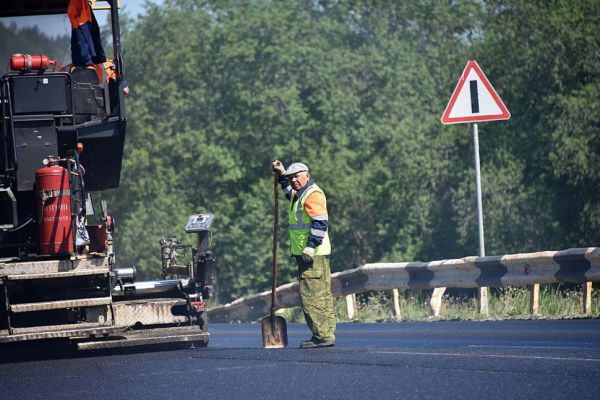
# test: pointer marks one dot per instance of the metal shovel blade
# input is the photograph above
(274, 332)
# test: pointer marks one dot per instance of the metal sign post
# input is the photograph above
(478, 189)
(475, 102)
(482, 294)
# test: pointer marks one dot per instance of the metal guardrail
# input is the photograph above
(579, 265)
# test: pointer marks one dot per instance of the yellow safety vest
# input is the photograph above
(299, 225)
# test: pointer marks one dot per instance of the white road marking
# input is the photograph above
(422, 353)
(492, 346)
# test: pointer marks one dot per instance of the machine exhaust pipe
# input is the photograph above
(126, 274)
(149, 287)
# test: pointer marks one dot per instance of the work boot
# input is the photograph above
(307, 342)
(314, 343)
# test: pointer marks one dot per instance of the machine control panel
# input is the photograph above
(199, 223)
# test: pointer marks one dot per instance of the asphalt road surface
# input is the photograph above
(437, 360)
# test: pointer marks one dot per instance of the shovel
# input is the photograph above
(274, 328)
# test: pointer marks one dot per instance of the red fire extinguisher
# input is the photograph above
(53, 198)
(27, 62)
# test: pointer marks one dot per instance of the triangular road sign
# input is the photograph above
(474, 99)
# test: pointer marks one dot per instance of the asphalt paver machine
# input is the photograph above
(61, 138)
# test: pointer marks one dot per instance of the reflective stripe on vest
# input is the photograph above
(299, 225)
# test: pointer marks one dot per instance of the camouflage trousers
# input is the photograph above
(315, 293)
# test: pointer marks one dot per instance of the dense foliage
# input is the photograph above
(355, 89)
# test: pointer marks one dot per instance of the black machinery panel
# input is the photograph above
(34, 141)
(39, 94)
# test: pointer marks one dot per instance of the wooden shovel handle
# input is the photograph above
(275, 239)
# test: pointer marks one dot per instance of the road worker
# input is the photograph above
(309, 242)
(86, 45)
(107, 71)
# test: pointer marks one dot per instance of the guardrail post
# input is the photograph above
(534, 299)
(435, 304)
(482, 300)
(351, 307)
(396, 302)
(587, 298)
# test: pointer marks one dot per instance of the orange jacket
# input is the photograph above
(79, 13)
(106, 70)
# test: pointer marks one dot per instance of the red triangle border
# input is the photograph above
(505, 114)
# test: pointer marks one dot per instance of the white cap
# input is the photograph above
(295, 168)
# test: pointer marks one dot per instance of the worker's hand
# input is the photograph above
(308, 254)
(278, 167)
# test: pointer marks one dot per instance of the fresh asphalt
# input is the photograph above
(428, 360)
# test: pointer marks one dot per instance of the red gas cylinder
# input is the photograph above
(26, 62)
(54, 206)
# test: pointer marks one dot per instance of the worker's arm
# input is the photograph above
(285, 185)
(316, 207)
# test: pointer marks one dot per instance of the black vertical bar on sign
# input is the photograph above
(474, 97)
